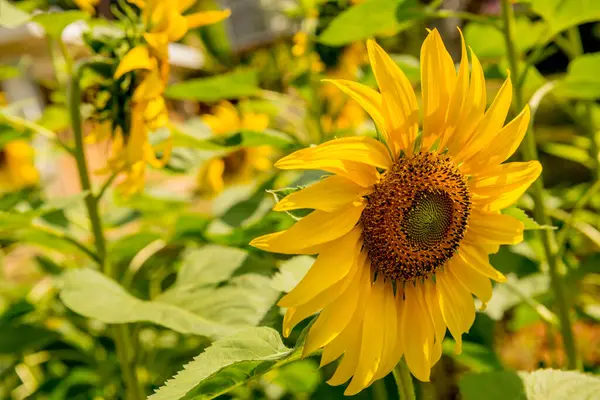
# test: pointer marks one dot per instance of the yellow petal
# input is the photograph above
(369, 99)
(417, 333)
(499, 187)
(459, 97)
(373, 330)
(149, 88)
(488, 127)
(183, 5)
(502, 146)
(328, 194)
(136, 58)
(399, 103)
(360, 149)
(431, 301)
(456, 305)
(471, 280)
(336, 316)
(177, 26)
(479, 261)
(490, 227)
(158, 42)
(332, 265)
(316, 228)
(438, 78)
(392, 345)
(206, 18)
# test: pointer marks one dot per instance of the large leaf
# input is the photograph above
(291, 272)
(226, 364)
(487, 41)
(582, 80)
(546, 384)
(237, 84)
(196, 304)
(11, 16)
(55, 22)
(563, 14)
(366, 19)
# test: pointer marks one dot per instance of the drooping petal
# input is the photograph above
(328, 194)
(417, 333)
(438, 77)
(316, 228)
(431, 300)
(336, 316)
(369, 99)
(456, 305)
(361, 149)
(496, 228)
(372, 340)
(472, 280)
(479, 261)
(399, 102)
(392, 345)
(331, 266)
(501, 186)
(136, 58)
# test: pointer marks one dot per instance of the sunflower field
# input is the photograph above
(300, 199)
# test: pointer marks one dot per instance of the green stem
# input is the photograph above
(124, 348)
(404, 382)
(40, 130)
(529, 152)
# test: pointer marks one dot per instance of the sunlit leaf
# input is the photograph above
(563, 14)
(11, 16)
(364, 20)
(291, 272)
(55, 22)
(488, 42)
(582, 80)
(521, 215)
(547, 384)
(227, 363)
(240, 83)
(507, 296)
(476, 357)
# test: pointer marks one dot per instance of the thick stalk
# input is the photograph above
(404, 382)
(120, 333)
(529, 152)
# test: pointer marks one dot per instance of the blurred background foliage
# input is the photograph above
(239, 94)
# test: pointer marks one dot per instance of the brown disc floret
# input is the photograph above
(416, 217)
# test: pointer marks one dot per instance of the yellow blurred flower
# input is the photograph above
(88, 6)
(241, 164)
(300, 40)
(16, 166)
(164, 23)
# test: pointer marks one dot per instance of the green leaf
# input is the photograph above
(8, 71)
(547, 384)
(197, 137)
(522, 216)
(20, 338)
(55, 22)
(476, 357)
(279, 194)
(240, 83)
(563, 14)
(487, 41)
(359, 22)
(11, 16)
(582, 80)
(300, 377)
(505, 297)
(291, 272)
(54, 118)
(227, 363)
(195, 304)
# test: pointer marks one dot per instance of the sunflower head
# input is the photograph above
(403, 226)
(240, 164)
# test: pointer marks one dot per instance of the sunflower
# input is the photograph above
(16, 166)
(241, 164)
(404, 226)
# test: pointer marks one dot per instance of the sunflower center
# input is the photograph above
(416, 217)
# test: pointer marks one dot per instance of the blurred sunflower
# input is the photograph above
(404, 228)
(89, 6)
(16, 166)
(343, 113)
(241, 164)
(148, 64)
